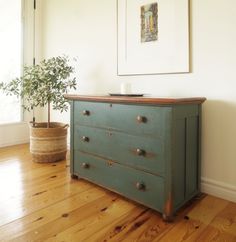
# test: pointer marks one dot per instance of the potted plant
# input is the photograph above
(44, 85)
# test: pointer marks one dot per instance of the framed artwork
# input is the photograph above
(149, 25)
(153, 36)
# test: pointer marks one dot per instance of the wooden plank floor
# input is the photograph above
(40, 202)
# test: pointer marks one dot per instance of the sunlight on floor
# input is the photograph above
(11, 188)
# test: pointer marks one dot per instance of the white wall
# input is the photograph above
(87, 29)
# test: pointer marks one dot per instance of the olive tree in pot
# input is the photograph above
(44, 85)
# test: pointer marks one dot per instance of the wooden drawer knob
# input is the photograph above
(86, 113)
(140, 186)
(85, 139)
(85, 165)
(140, 152)
(141, 119)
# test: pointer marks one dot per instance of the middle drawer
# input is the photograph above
(144, 153)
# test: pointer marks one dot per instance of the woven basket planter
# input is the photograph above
(48, 144)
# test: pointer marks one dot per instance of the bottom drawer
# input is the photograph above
(139, 186)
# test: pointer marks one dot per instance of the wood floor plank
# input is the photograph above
(32, 222)
(40, 202)
(116, 230)
(101, 218)
(15, 175)
(67, 219)
(222, 227)
(195, 221)
(131, 230)
(139, 225)
(49, 180)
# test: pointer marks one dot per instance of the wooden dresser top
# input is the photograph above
(142, 100)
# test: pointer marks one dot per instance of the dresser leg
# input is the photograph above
(73, 176)
(167, 218)
(168, 209)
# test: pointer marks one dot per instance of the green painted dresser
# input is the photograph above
(146, 149)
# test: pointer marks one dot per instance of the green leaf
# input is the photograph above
(45, 82)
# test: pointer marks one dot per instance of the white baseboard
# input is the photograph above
(218, 189)
(14, 134)
(18, 142)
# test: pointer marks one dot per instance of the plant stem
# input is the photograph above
(48, 125)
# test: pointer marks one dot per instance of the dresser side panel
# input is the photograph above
(72, 137)
(185, 162)
(178, 161)
(191, 156)
(168, 207)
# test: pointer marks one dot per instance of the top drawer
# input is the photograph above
(137, 119)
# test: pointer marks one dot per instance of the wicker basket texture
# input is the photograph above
(48, 144)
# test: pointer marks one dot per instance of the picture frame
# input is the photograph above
(153, 37)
